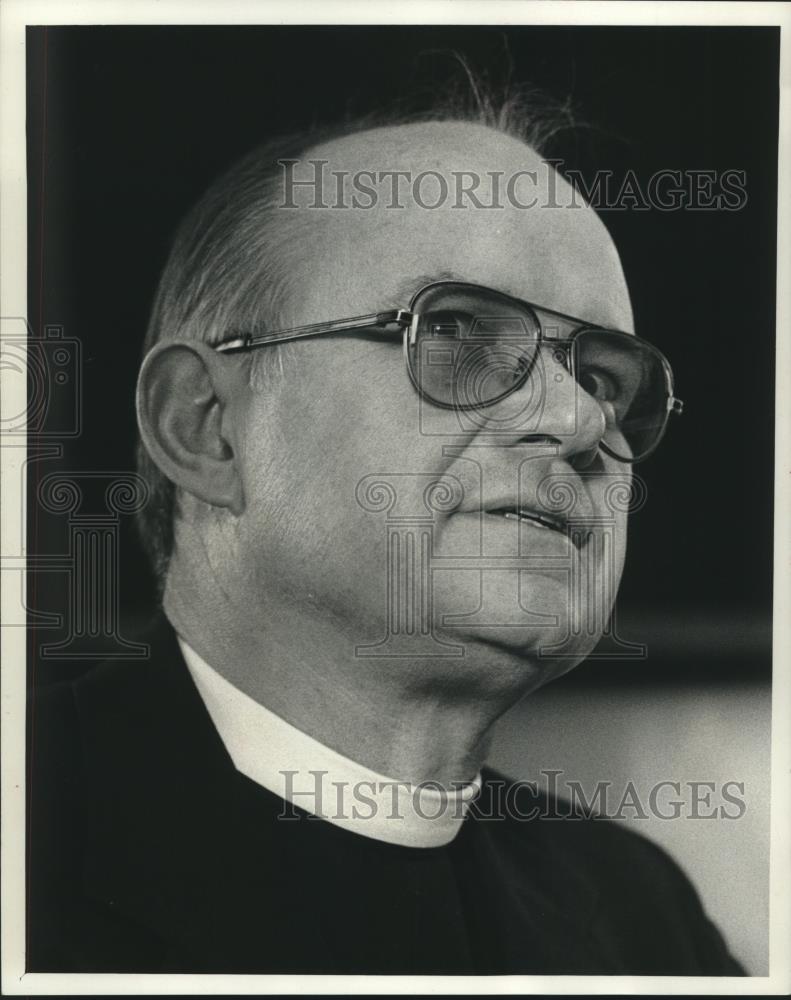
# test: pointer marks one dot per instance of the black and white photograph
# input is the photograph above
(395, 555)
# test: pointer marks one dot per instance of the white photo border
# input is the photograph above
(15, 16)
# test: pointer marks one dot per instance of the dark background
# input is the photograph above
(128, 125)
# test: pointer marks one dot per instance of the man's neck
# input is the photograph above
(423, 721)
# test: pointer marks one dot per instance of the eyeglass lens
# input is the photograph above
(473, 347)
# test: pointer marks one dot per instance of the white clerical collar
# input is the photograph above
(304, 772)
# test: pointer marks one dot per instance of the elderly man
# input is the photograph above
(361, 400)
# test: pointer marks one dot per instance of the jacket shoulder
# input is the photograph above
(645, 914)
(67, 928)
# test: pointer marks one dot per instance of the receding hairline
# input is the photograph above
(401, 136)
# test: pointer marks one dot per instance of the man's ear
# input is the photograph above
(183, 393)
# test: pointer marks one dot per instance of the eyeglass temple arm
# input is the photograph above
(395, 317)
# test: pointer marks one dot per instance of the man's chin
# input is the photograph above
(513, 609)
(530, 632)
(551, 649)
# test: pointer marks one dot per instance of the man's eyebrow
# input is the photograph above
(407, 287)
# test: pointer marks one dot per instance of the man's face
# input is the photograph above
(340, 450)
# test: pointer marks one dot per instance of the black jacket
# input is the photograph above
(149, 852)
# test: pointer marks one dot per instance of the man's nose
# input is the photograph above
(551, 407)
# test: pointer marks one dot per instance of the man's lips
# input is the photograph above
(547, 521)
(576, 522)
(544, 520)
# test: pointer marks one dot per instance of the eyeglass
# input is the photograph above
(468, 347)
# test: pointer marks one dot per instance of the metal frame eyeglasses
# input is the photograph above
(491, 343)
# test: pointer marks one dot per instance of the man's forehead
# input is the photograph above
(361, 256)
(424, 145)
